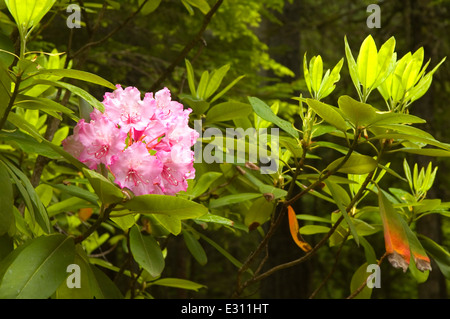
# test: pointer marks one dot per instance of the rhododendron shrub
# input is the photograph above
(145, 143)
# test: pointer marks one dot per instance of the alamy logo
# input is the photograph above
(74, 279)
(74, 19)
(374, 20)
(374, 279)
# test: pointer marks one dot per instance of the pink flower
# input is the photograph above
(136, 169)
(100, 139)
(125, 107)
(146, 143)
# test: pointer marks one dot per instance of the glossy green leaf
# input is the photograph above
(146, 252)
(227, 88)
(202, 85)
(6, 200)
(215, 80)
(440, 255)
(165, 204)
(316, 70)
(170, 223)
(356, 164)
(386, 61)
(37, 269)
(359, 114)
(314, 229)
(195, 248)
(359, 278)
(190, 77)
(352, 67)
(227, 111)
(150, 6)
(233, 199)
(178, 283)
(28, 13)
(204, 182)
(78, 75)
(367, 63)
(341, 202)
(107, 191)
(266, 113)
(328, 113)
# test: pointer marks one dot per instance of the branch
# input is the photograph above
(187, 48)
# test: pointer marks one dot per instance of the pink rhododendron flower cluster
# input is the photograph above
(145, 143)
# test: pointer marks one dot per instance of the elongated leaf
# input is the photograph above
(294, 229)
(367, 63)
(227, 111)
(78, 75)
(328, 113)
(190, 77)
(233, 199)
(178, 283)
(359, 114)
(266, 113)
(170, 223)
(227, 88)
(204, 182)
(421, 259)
(396, 240)
(215, 80)
(340, 202)
(165, 204)
(440, 254)
(146, 252)
(356, 164)
(360, 277)
(195, 248)
(6, 200)
(107, 192)
(352, 67)
(28, 13)
(37, 269)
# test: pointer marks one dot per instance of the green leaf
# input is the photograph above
(359, 114)
(6, 200)
(352, 67)
(177, 283)
(258, 213)
(195, 248)
(227, 88)
(340, 202)
(190, 77)
(316, 69)
(146, 252)
(200, 4)
(227, 111)
(28, 13)
(37, 269)
(170, 223)
(106, 190)
(201, 89)
(314, 229)
(360, 277)
(356, 164)
(76, 91)
(150, 6)
(386, 61)
(440, 255)
(78, 75)
(165, 204)
(367, 63)
(204, 182)
(215, 80)
(266, 113)
(232, 199)
(328, 113)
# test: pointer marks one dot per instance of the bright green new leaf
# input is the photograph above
(386, 61)
(352, 67)
(146, 252)
(359, 114)
(316, 70)
(190, 77)
(328, 113)
(36, 269)
(215, 80)
(28, 13)
(367, 63)
(266, 113)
